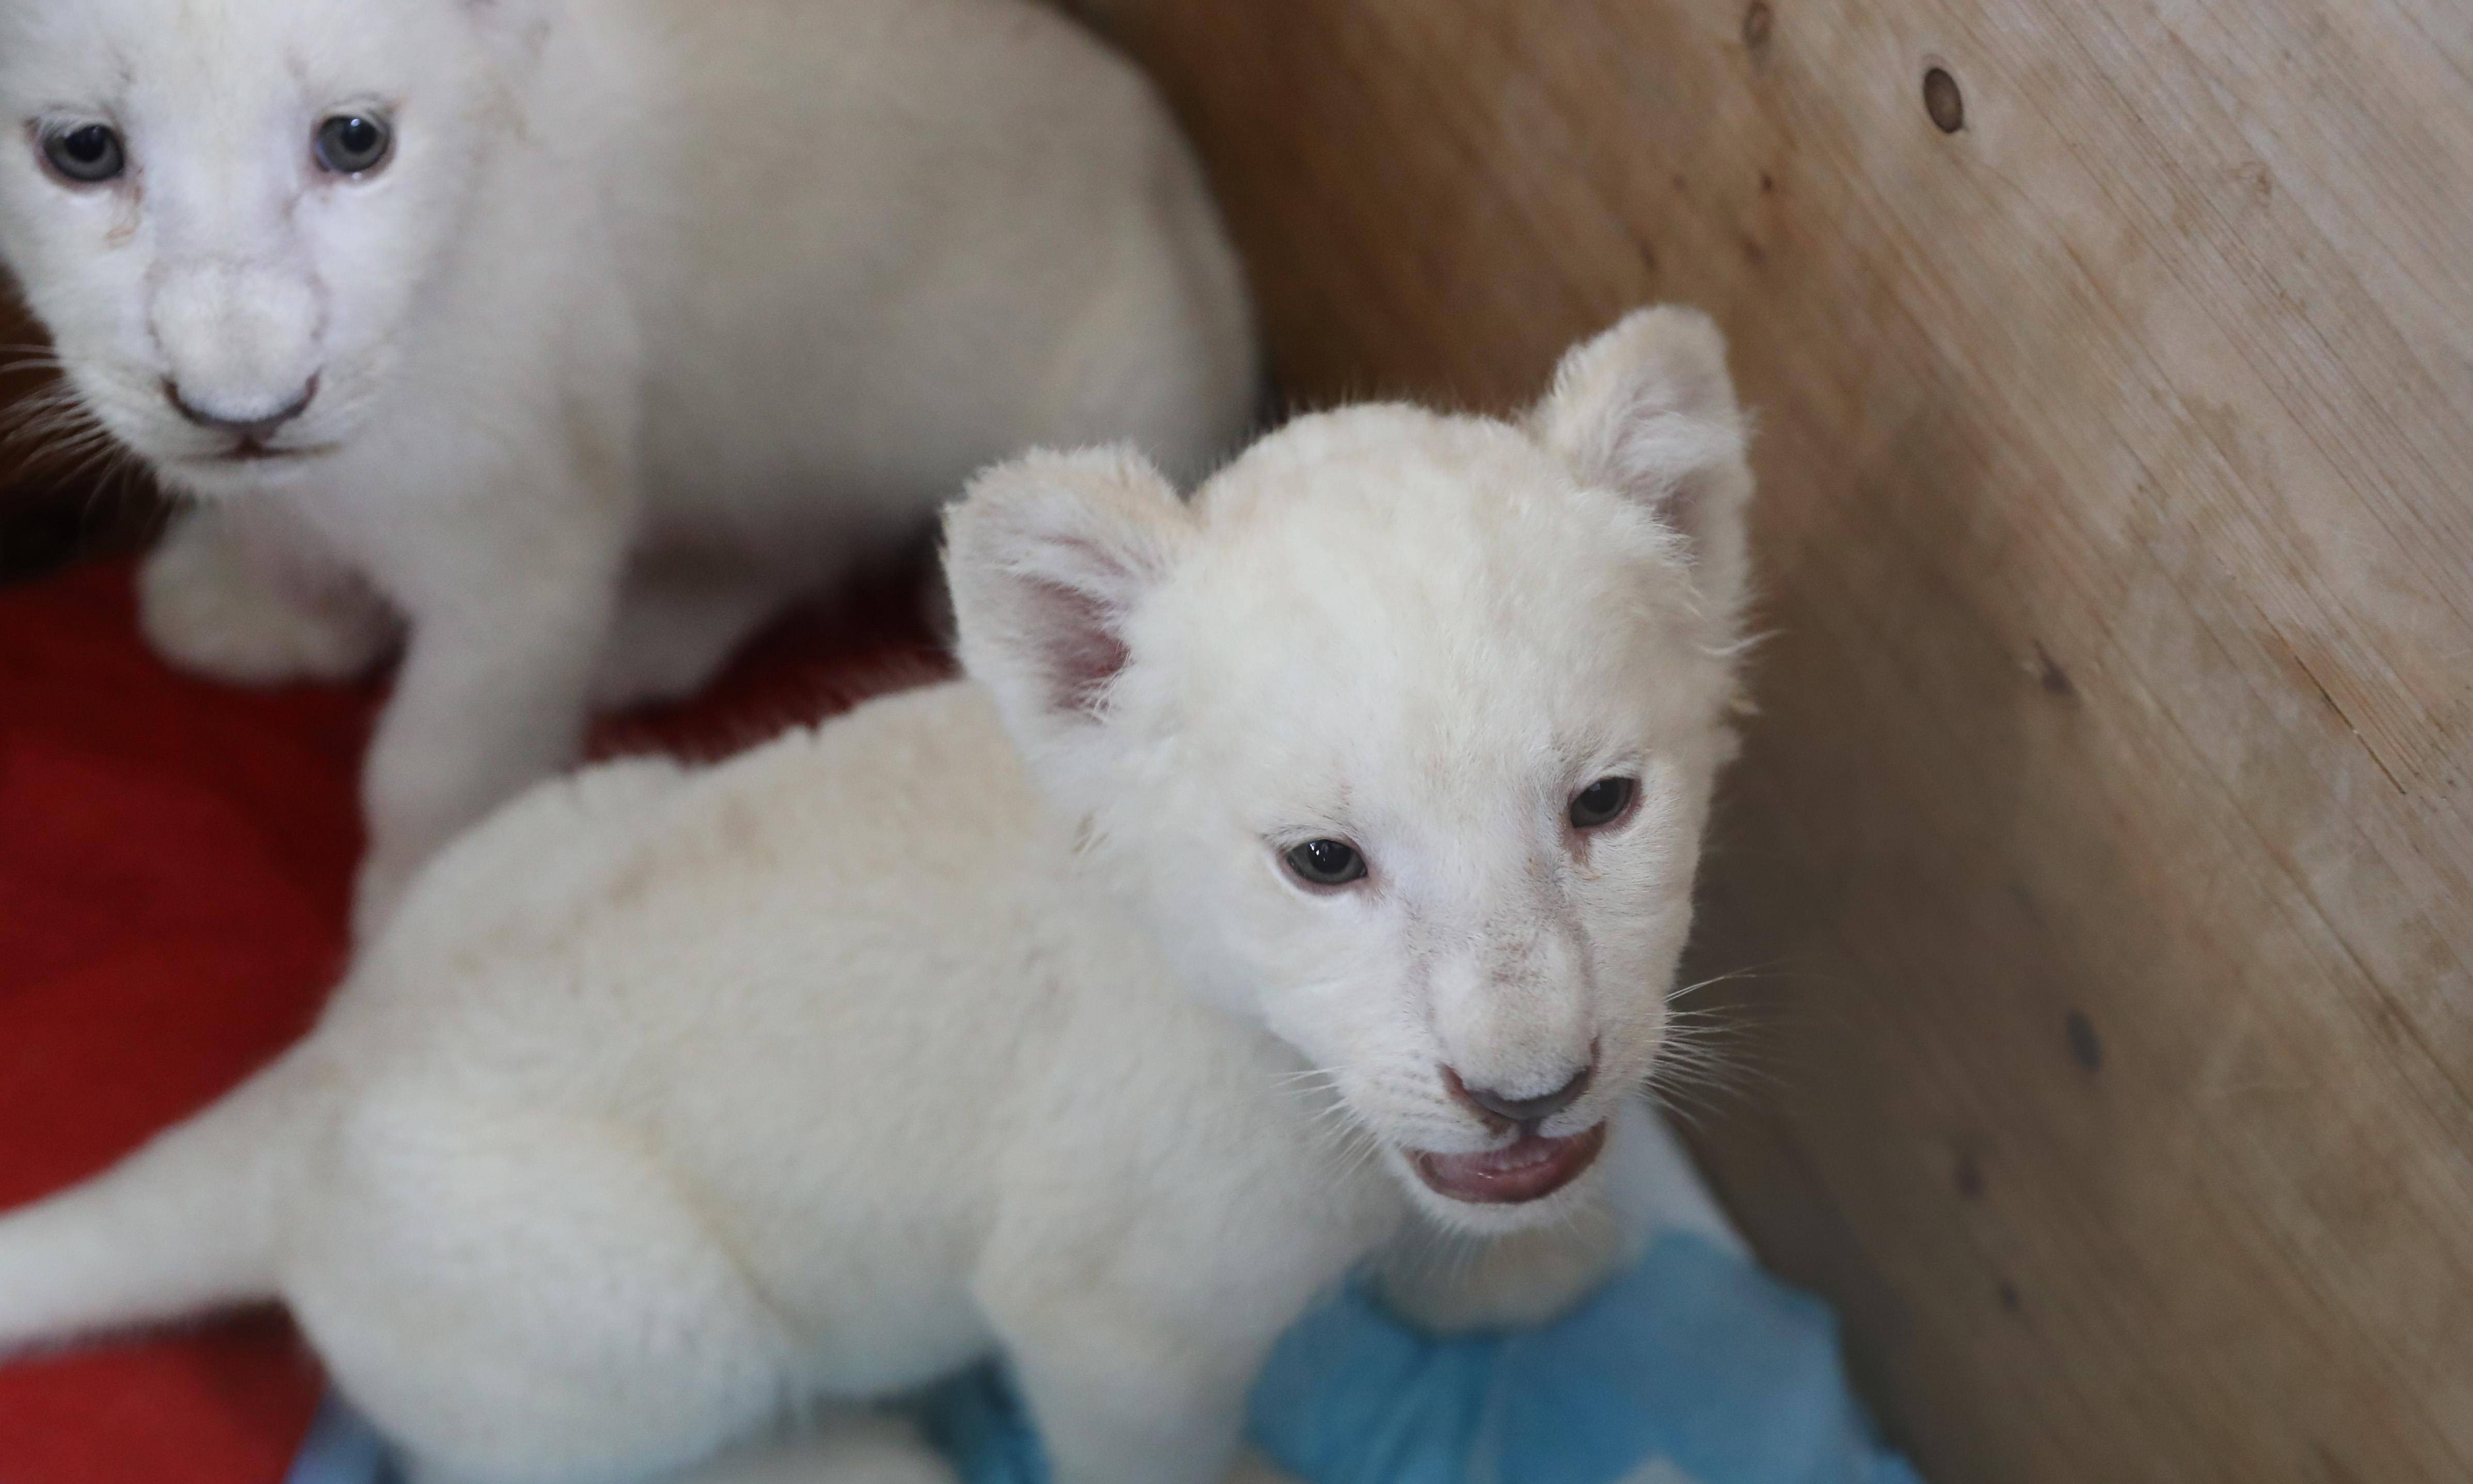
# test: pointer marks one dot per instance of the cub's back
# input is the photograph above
(960, 227)
(641, 929)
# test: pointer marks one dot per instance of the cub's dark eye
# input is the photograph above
(353, 144)
(1325, 863)
(1602, 803)
(88, 154)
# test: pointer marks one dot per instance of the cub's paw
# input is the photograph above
(385, 876)
(208, 609)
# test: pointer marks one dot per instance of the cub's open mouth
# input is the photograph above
(250, 451)
(1528, 1169)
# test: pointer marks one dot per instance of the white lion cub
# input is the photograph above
(1302, 869)
(578, 336)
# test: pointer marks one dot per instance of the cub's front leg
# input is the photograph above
(1138, 1312)
(244, 591)
(1137, 1341)
(506, 627)
(1121, 1398)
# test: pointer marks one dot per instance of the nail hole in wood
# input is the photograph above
(2049, 673)
(1757, 22)
(2086, 1047)
(1942, 101)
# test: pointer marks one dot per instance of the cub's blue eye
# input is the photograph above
(87, 154)
(1325, 863)
(1602, 803)
(353, 144)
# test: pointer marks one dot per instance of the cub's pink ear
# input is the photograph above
(1047, 556)
(1646, 410)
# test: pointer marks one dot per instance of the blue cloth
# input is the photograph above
(340, 1450)
(1692, 1368)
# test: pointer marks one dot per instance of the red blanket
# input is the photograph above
(175, 858)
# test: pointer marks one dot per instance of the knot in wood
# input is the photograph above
(1942, 101)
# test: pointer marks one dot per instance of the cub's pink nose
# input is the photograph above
(251, 427)
(1521, 1110)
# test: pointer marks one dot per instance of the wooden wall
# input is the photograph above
(2106, 841)
(2104, 848)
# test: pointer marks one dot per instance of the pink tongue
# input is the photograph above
(1532, 1167)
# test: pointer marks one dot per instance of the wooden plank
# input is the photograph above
(2106, 832)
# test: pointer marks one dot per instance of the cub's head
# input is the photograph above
(1401, 734)
(225, 210)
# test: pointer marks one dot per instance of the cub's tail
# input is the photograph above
(187, 1223)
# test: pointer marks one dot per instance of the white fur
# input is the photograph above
(985, 1017)
(716, 298)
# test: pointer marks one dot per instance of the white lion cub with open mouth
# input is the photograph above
(573, 339)
(1352, 805)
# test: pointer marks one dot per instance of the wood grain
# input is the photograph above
(2104, 841)
(2104, 851)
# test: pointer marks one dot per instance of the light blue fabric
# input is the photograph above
(1692, 1368)
(340, 1450)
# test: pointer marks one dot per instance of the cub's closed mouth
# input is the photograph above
(1528, 1169)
